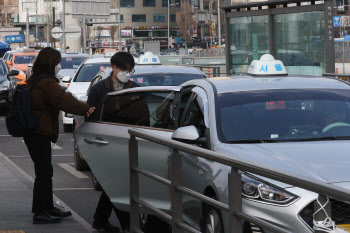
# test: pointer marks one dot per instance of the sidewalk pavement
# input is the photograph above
(16, 192)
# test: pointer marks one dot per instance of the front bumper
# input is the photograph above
(67, 119)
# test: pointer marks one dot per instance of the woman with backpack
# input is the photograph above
(47, 98)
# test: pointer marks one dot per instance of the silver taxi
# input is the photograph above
(297, 124)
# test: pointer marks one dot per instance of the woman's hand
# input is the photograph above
(91, 110)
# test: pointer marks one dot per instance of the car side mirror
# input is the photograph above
(83, 99)
(188, 134)
(12, 73)
(66, 79)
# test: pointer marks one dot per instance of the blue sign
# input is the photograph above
(337, 21)
(14, 39)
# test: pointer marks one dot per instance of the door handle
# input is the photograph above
(89, 140)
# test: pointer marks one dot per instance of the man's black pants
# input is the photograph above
(39, 148)
(104, 211)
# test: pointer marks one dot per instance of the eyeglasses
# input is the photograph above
(131, 72)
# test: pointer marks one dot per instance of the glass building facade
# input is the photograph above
(297, 39)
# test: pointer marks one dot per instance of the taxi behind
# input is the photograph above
(148, 65)
(7, 86)
(20, 62)
(297, 124)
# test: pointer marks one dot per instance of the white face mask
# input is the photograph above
(123, 76)
(57, 68)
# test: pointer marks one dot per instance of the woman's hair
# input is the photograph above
(45, 62)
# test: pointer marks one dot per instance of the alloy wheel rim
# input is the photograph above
(213, 222)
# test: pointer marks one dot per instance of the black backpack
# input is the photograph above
(20, 120)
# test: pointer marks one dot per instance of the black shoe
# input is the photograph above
(45, 218)
(105, 227)
(57, 212)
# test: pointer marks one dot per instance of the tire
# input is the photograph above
(67, 128)
(212, 220)
(95, 183)
(79, 163)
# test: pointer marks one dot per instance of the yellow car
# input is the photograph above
(20, 62)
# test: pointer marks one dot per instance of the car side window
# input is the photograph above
(149, 108)
(194, 116)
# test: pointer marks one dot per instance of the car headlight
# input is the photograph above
(4, 86)
(254, 188)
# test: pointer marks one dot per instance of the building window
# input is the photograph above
(165, 3)
(206, 4)
(172, 18)
(127, 3)
(138, 18)
(178, 3)
(195, 3)
(122, 18)
(158, 18)
(149, 3)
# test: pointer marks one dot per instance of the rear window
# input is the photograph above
(88, 71)
(163, 79)
(24, 59)
(71, 62)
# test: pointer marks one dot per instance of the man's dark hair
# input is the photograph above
(123, 60)
(46, 61)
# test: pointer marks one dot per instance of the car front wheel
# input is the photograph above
(212, 220)
(67, 128)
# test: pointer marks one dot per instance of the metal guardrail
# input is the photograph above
(234, 206)
(345, 77)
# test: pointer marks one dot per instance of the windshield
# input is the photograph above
(71, 62)
(2, 69)
(88, 71)
(278, 115)
(25, 59)
(165, 79)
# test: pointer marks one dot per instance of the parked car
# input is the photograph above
(7, 56)
(296, 124)
(7, 86)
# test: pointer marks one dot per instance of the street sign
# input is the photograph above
(56, 32)
(91, 9)
(73, 31)
(337, 21)
(14, 39)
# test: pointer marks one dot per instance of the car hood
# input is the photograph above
(21, 66)
(326, 161)
(78, 88)
(67, 72)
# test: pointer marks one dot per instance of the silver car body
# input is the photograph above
(108, 159)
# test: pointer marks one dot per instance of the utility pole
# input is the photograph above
(61, 41)
(36, 21)
(168, 24)
(48, 31)
(84, 34)
(219, 24)
(27, 29)
(64, 25)
(120, 35)
(53, 25)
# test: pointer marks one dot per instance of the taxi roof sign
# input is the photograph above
(71, 51)
(149, 59)
(267, 66)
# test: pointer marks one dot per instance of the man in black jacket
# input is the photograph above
(122, 64)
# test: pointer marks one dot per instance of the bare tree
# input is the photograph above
(98, 34)
(185, 21)
(112, 32)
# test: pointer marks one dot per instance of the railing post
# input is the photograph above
(218, 72)
(214, 72)
(235, 200)
(321, 215)
(134, 184)
(176, 195)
